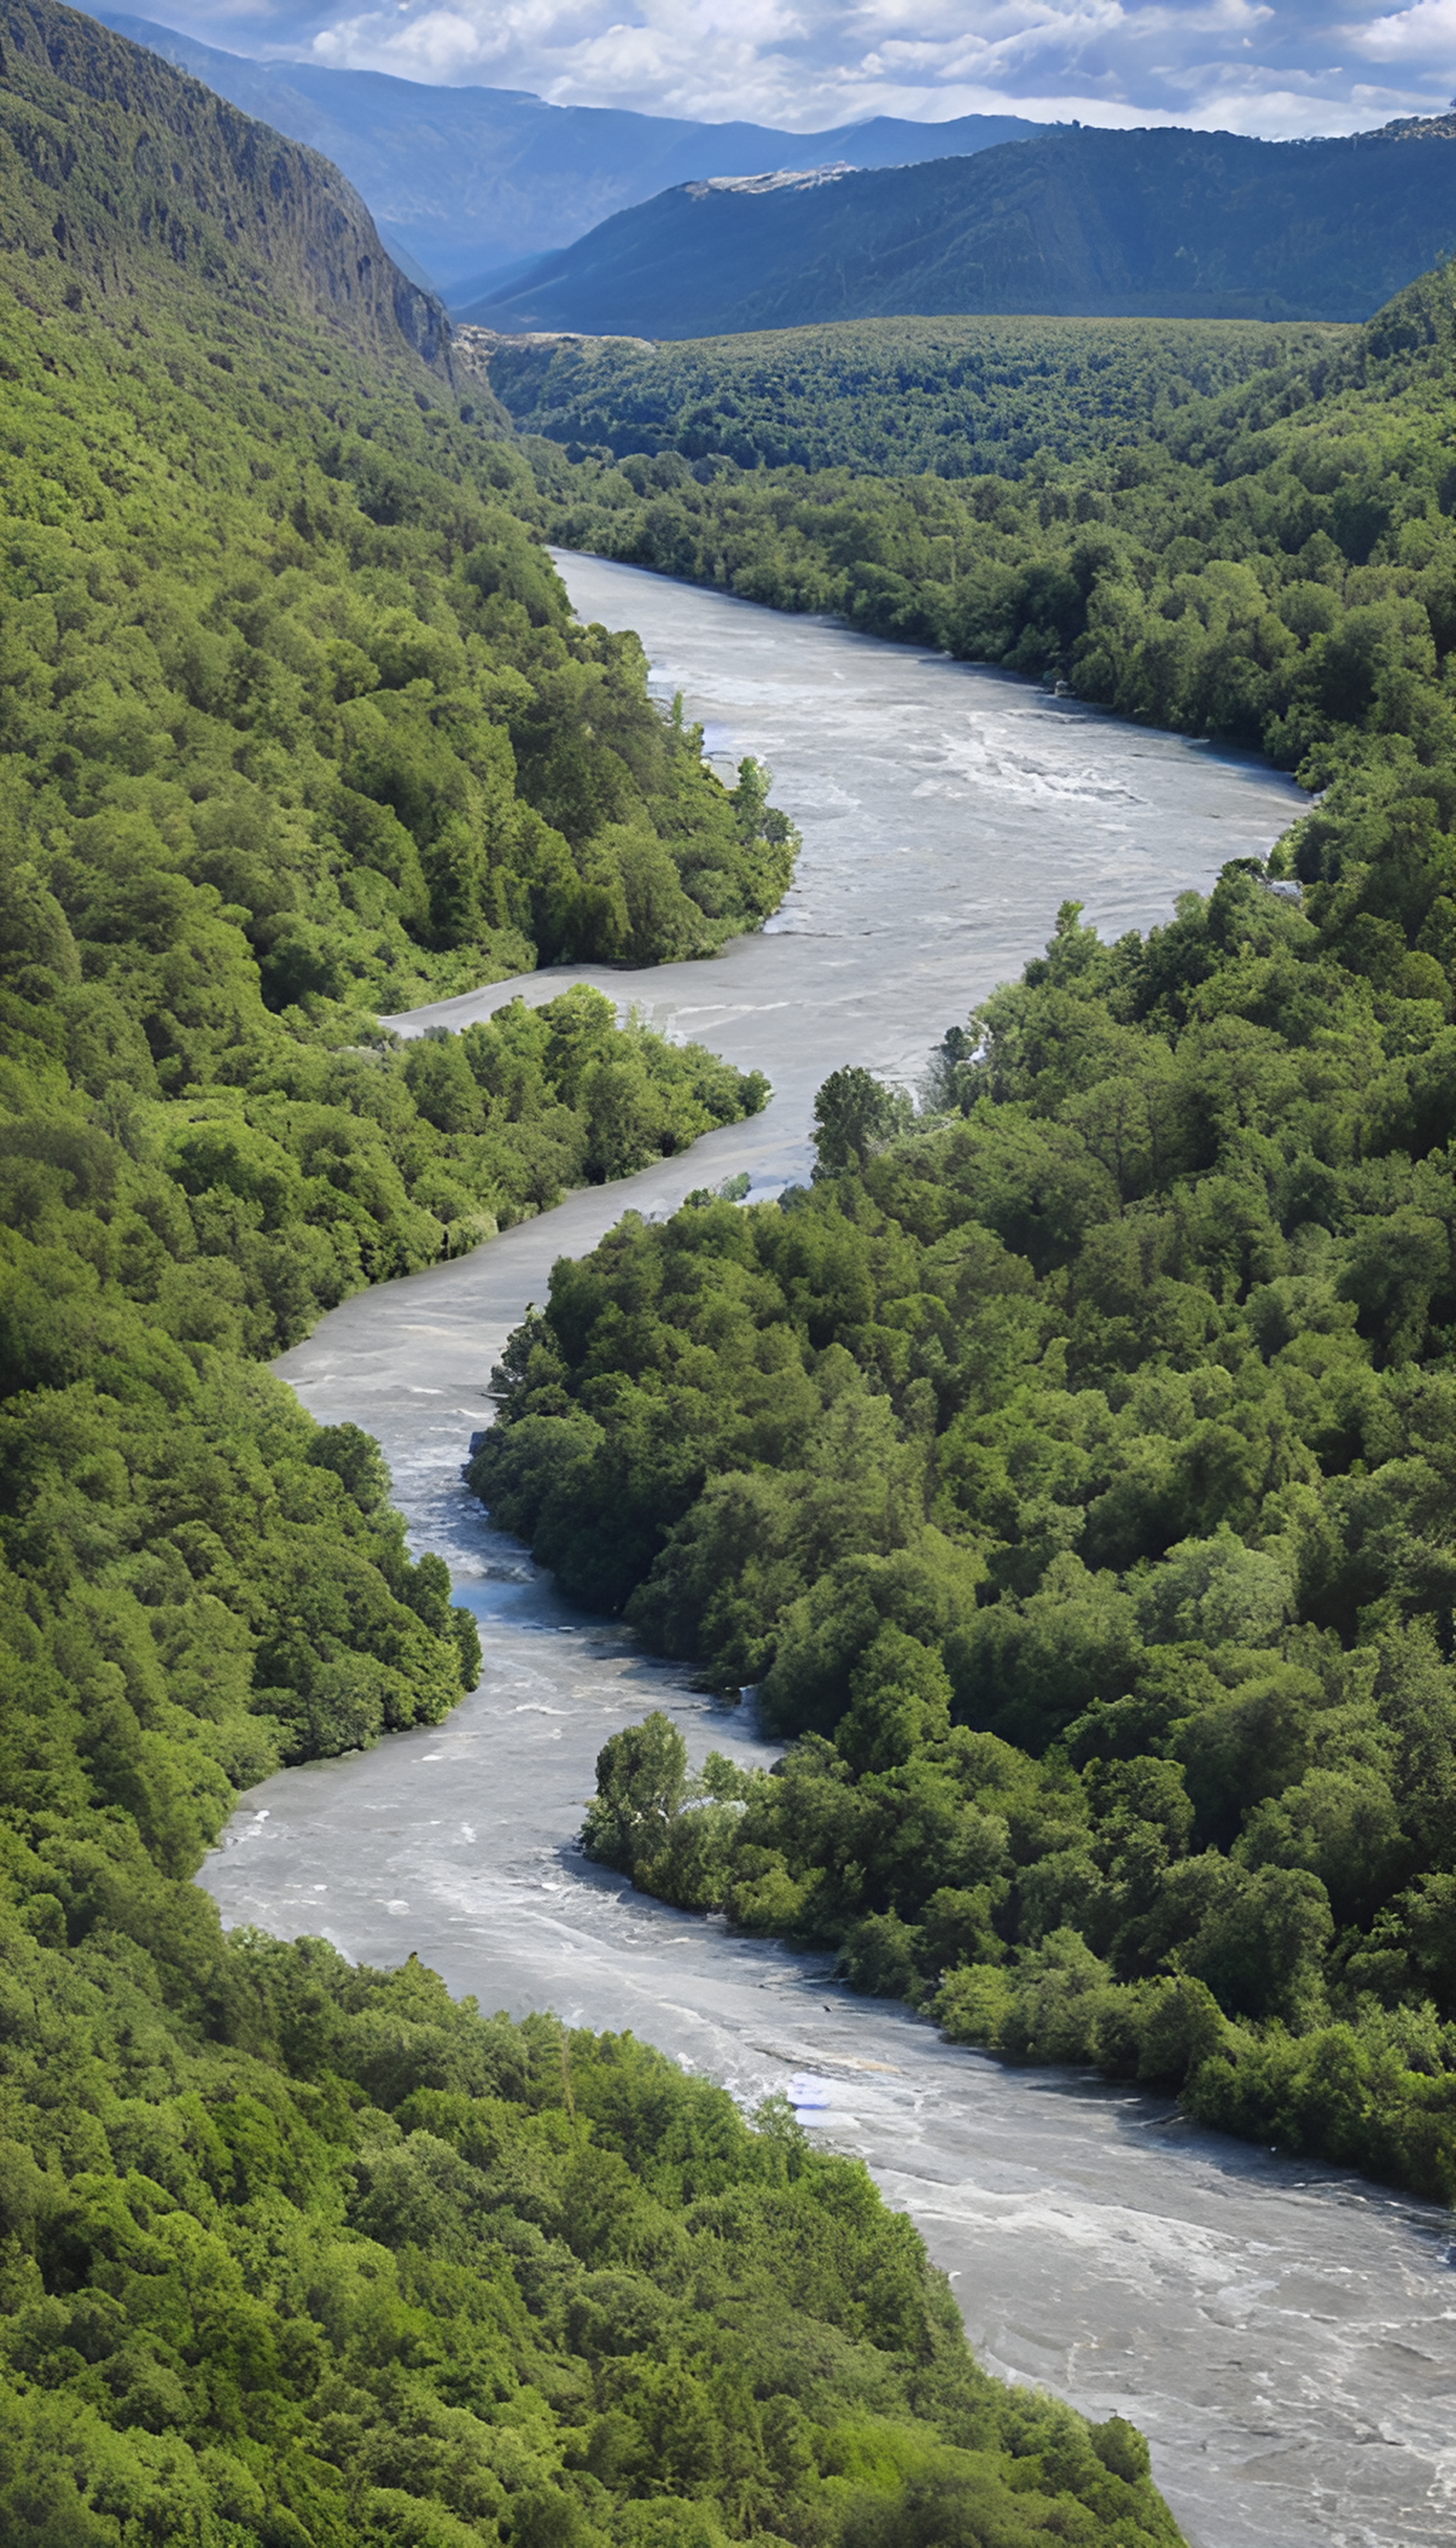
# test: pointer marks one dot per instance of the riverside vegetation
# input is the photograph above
(293, 2255)
(1070, 1467)
(1271, 564)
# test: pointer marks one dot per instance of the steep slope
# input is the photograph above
(216, 375)
(468, 180)
(142, 171)
(1170, 225)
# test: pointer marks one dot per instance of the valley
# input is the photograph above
(407, 971)
(1255, 2315)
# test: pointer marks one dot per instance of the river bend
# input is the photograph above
(1285, 2336)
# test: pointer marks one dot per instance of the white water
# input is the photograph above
(1285, 2336)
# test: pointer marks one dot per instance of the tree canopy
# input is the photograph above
(951, 397)
(294, 2254)
(1070, 1472)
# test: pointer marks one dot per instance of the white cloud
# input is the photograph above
(695, 57)
(1429, 28)
(1272, 66)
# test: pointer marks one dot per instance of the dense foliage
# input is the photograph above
(949, 398)
(291, 2255)
(257, 1180)
(300, 2256)
(1274, 566)
(205, 1138)
(1072, 1470)
(210, 874)
(1073, 1475)
(329, 692)
(1078, 222)
(272, 625)
(260, 665)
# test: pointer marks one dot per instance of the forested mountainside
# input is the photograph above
(293, 2255)
(944, 397)
(126, 175)
(472, 179)
(1071, 1468)
(1138, 224)
(312, 605)
(297, 722)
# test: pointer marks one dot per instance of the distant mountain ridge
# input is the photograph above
(468, 181)
(1074, 222)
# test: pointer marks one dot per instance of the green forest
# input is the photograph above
(273, 618)
(940, 398)
(1069, 1466)
(1273, 565)
(296, 725)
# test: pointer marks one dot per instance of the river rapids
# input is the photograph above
(1284, 2334)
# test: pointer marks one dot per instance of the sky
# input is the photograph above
(1282, 68)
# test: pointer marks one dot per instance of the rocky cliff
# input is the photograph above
(119, 167)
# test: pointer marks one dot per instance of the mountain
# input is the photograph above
(466, 182)
(133, 177)
(1072, 223)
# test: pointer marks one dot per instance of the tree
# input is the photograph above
(854, 1115)
(641, 1779)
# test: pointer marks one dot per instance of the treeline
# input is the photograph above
(1072, 1473)
(942, 398)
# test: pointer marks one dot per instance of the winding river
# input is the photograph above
(1285, 2336)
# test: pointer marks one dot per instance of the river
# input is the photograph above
(1284, 2334)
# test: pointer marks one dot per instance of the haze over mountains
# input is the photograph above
(531, 217)
(1153, 224)
(469, 181)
